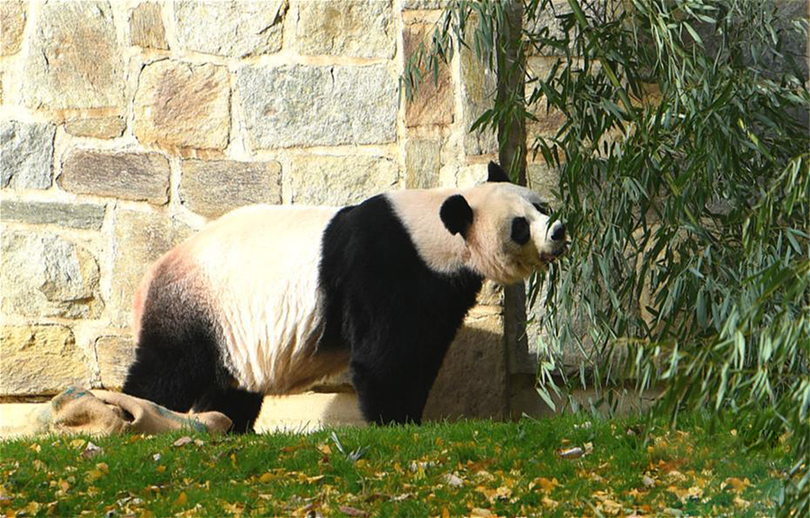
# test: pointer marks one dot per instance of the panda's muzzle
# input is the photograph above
(558, 244)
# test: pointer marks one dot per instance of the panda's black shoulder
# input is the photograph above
(370, 265)
(369, 234)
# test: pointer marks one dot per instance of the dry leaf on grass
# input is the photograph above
(182, 441)
(351, 511)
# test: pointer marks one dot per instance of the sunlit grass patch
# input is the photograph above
(565, 466)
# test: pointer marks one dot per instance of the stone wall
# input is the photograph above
(127, 124)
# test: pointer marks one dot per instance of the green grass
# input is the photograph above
(508, 469)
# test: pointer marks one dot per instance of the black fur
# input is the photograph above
(496, 173)
(178, 361)
(397, 315)
(520, 230)
(456, 214)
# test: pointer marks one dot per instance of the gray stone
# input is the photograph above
(472, 380)
(425, 4)
(544, 180)
(13, 14)
(146, 27)
(548, 18)
(433, 102)
(27, 155)
(422, 163)
(40, 359)
(142, 238)
(338, 180)
(61, 71)
(356, 28)
(104, 128)
(181, 105)
(88, 216)
(45, 275)
(115, 354)
(301, 105)
(131, 176)
(213, 187)
(230, 28)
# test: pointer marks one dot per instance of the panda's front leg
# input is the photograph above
(389, 395)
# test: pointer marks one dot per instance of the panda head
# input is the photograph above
(507, 229)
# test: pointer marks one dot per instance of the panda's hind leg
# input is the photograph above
(178, 359)
(241, 406)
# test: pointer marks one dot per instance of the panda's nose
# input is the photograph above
(558, 232)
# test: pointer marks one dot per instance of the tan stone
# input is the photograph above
(478, 89)
(338, 180)
(548, 121)
(130, 176)
(180, 105)
(213, 187)
(142, 237)
(115, 353)
(40, 359)
(472, 380)
(356, 28)
(422, 163)
(433, 102)
(104, 128)
(60, 72)
(146, 27)
(45, 275)
(13, 14)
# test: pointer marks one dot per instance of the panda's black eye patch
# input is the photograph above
(543, 208)
(520, 230)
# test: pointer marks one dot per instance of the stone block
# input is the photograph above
(433, 102)
(45, 275)
(13, 14)
(478, 89)
(338, 180)
(213, 187)
(472, 380)
(425, 4)
(40, 359)
(181, 105)
(130, 176)
(103, 128)
(27, 155)
(422, 163)
(355, 28)
(544, 180)
(146, 27)
(61, 71)
(549, 121)
(147, 235)
(298, 105)
(115, 353)
(232, 28)
(86, 216)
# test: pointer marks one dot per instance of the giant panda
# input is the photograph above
(269, 299)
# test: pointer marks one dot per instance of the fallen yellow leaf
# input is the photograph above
(544, 484)
(181, 500)
(736, 484)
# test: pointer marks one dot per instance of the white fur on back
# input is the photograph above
(259, 266)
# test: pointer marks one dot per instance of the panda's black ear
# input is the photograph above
(456, 214)
(496, 173)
